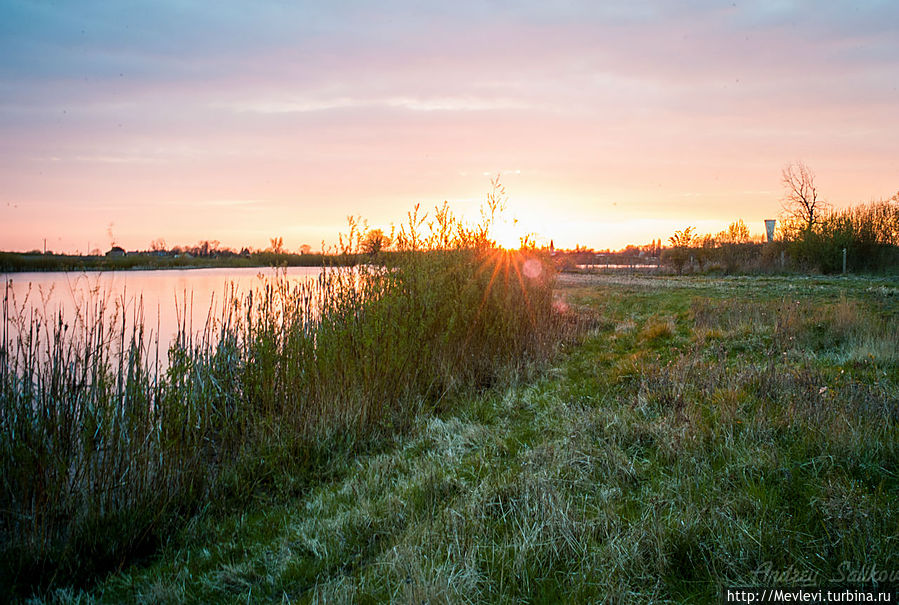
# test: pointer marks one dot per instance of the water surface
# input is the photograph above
(165, 297)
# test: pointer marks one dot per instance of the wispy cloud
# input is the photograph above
(309, 105)
(227, 202)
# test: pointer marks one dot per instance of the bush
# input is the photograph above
(869, 233)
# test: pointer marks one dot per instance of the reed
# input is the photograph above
(105, 449)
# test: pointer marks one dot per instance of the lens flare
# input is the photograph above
(532, 268)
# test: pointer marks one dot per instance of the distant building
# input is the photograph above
(116, 251)
(769, 228)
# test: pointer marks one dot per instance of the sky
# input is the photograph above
(608, 122)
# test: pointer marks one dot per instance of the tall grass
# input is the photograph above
(104, 452)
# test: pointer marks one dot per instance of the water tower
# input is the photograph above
(769, 228)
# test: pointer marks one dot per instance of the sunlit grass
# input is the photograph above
(105, 454)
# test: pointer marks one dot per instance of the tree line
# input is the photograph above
(811, 236)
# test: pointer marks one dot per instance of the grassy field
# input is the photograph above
(704, 432)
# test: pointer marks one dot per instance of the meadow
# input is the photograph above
(691, 433)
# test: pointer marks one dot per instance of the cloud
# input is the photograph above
(533, 55)
(369, 101)
(315, 105)
(228, 202)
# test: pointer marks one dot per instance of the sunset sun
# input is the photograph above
(507, 234)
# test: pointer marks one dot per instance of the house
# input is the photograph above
(116, 251)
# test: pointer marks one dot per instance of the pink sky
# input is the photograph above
(610, 124)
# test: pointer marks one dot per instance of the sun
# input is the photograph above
(507, 234)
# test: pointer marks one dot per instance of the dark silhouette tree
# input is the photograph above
(801, 201)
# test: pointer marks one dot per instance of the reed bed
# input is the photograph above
(106, 450)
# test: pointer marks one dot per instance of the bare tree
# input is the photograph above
(800, 200)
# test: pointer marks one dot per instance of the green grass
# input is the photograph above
(702, 432)
(105, 455)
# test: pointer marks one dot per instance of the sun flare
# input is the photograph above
(507, 234)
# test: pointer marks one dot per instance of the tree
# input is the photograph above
(305, 249)
(736, 233)
(374, 242)
(206, 248)
(733, 252)
(277, 244)
(679, 253)
(800, 200)
(683, 238)
(157, 245)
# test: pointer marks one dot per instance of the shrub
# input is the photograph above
(869, 233)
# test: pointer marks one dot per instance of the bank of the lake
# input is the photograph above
(106, 455)
(168, 302)
(708, 432)
(13, 262)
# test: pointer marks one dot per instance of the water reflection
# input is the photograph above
(161, 300)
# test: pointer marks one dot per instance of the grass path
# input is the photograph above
(693, 439)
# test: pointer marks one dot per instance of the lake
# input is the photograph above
(163, 295)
